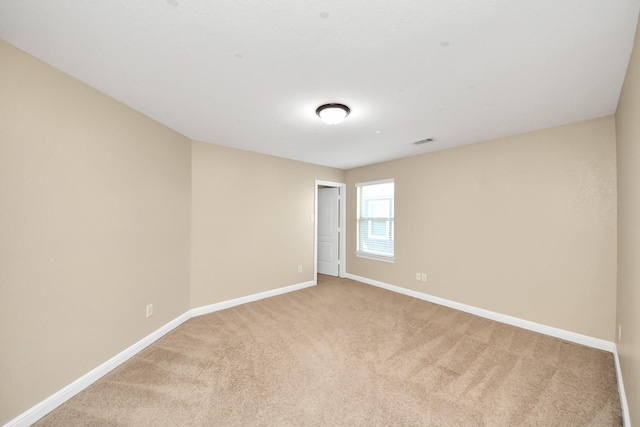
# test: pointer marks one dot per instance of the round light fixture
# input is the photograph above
(332, 114)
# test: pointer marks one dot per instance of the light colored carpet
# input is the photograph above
(348, 354)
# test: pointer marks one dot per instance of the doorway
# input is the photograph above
(330, 228)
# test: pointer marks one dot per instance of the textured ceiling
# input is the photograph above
(250, 74)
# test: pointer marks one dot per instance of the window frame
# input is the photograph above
(390, 223)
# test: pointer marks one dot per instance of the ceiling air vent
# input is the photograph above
(422, 141)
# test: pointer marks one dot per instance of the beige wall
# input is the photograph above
(523, 226)
(94, 224)
(628, 313)
(251, 222)
(103, 210)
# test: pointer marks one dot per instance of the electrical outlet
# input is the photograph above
(149, 310)
(619, 332)
(423, 277)
(417, 276)
(299, 269)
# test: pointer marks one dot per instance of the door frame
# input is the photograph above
(342, 223)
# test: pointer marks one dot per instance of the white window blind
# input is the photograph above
(375, 221)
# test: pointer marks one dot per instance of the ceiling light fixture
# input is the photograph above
(332, 114)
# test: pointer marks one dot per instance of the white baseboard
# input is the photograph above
(249, 298)
(43, 408)
(38, 411)
(503, 318)
(626, 417)
(52, 402)
(525, 324)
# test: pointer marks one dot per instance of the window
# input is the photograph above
(375, 224)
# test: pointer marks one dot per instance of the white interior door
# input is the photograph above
(328, 231)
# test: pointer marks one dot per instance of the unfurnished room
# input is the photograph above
(198, 204)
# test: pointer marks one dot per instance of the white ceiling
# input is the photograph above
(250, 74)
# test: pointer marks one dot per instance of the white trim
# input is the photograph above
(379, 181)
(342, 266)
(503, 318)
(374, 257)
(41, 409)
(626, 417)
(521, 323)
(38, 411)
(61, 396)
(249, 298)
(361, 251)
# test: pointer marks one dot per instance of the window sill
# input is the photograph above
(376, 257)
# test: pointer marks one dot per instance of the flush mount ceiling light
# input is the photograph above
(332, 114)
